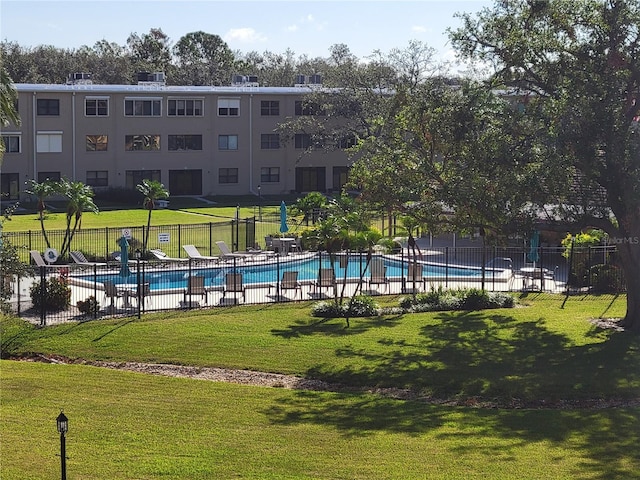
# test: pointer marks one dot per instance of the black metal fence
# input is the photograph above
(133, 287)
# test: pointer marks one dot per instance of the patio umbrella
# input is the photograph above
(283, 218)
(124, 257)
(534, 243)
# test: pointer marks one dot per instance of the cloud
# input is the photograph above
(306, 23)
(245, 36)
(420, 29)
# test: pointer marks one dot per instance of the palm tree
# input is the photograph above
(42, 190)
(8, 97)
(152, 190)
(79, 199)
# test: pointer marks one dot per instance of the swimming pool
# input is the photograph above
(269, 272)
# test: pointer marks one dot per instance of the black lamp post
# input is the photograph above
(138, 287)
(259, 204)
(62, 423)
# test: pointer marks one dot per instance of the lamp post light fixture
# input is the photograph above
(62, 423)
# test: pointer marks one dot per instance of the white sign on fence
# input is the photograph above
(126, 233)
(163, 238)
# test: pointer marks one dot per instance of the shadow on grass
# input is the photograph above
(475, 356)
(335, 326)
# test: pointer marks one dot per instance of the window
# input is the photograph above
(228, 175)
(302, 140)
(229, 107)
(269, 141)
(11, 143)
(49, 142)
(269, 108)
(340, 177)
(141, 142)
(97, 143)
(269, 174)
(10, 189)
(307, 108)
(227, 142)
(185, 142)
(135, 177)
(347, 142)
(97, 178)
(96, 107)
(48, 106)
(140, 107)
(44, 176)
(183, 107)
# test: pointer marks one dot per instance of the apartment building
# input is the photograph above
(196, 140)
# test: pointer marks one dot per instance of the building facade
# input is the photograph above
(195, 140)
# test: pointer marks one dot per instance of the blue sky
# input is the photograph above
(306, 27)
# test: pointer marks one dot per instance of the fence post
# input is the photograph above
(446, 267)
(43, 297)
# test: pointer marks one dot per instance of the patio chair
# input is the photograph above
(193, 253)
(195, 286)
(326, 279)
(145, 294)
(160, 255)
(414, 276)
(378, 274)
(233, 284)
(79, 258)
(112, 293)
(290, 282)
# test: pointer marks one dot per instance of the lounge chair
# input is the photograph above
(233, 284)
(251, 254)
(39, 261)
(160, 255)
(79, 258)
(326, 279)
(193, 253)
(290, 282)
(378, 274)
(195, 286)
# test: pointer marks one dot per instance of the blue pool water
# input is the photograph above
(270, 272)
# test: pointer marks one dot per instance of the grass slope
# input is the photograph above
(128, 425)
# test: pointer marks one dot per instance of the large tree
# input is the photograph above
(581, 59)
(204, 59)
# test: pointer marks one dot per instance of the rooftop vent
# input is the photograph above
(244, 81)
(308, 80)
(79, 78)
(146, 78)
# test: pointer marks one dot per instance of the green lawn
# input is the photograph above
(128, 425)
(135, 217)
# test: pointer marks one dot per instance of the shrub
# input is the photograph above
(89, 307)
(450, 302)
(462, 299)
(475, 299)
(326, 309)
(501, 300)
(361, 306)
(606, 278)
(56, 297)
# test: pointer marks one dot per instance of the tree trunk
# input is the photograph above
(629, 250)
